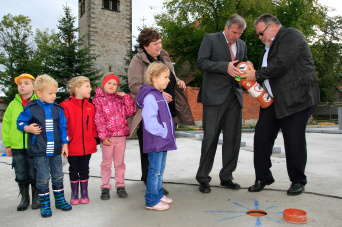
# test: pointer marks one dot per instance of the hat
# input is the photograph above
(24, 75)
(109, 77)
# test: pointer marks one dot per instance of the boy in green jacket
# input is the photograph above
(16, 142)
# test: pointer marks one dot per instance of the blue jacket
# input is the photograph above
(51, 119)
(158, 126)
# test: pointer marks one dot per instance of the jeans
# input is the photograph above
(23, 167)
(46, 166)
(156, 167)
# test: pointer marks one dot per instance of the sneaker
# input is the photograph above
(166, 200)
(159, 206)
(105, 194)
(121, 191)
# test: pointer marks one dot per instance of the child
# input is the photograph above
(111, 110)
(47, 139)
(16, 142)
(158, 132)
(80, 114)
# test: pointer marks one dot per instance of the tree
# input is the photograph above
(15, 52)
(185, 22)
(66, 56)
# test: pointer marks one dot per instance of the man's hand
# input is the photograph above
(167, 96)
(249, 75)
(181, 84)
(65, 150)
(232, 70)
(8, 151)
(107, 141)
(33, 128)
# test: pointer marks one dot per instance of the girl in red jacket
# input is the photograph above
(111, 110)
(82, 134)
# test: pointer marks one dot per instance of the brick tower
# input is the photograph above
(107, 25)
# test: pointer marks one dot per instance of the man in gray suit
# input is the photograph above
(221, 97)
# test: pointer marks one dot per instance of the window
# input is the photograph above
(111, 5)
(82, 6)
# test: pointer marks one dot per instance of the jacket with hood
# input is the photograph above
(111, 111)
(51, 119)
(80, 115)
(11, 135)
(158, 126)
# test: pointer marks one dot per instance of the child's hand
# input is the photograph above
(8, 152)
(107, 141)
(33, 128)
(121, 93)
(65, 150)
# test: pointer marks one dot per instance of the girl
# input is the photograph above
(82, 134)
(111, 110)
(158, 132)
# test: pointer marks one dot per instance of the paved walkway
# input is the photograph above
(222, 207)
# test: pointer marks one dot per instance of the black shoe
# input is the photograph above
(296, 189)
(230, 184)
(204, 187)
(35, 197)
(166, 192)
(121, 191)
(259, 185)
(25, 197)
(105, 194)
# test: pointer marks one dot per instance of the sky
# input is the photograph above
(45, 13)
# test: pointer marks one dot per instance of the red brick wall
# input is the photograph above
(249, 112)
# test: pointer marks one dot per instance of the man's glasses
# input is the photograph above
(262, 33)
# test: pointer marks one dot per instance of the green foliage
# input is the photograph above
(131, 53)
(65, 55)
(16, 52)
(61, 55)
(184, 23)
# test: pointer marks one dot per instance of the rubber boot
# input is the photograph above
(44, 198)
(25, 197)
(60, 203)
(35, 198)
(74, 192)
(84, 192)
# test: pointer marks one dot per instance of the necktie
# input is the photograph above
(231, 52)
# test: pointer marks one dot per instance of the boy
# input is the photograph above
(16, 142)
(48, 138)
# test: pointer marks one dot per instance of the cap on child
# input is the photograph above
(24, 75)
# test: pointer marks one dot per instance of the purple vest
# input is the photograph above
(154, 143)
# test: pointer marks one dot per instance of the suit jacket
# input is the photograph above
(213, 59)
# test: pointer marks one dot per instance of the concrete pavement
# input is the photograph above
(322, 199)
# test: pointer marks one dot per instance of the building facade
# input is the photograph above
(106, 25)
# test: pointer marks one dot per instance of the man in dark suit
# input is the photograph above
(221, 97)
(288, 73)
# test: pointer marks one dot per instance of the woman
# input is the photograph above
(150, 50)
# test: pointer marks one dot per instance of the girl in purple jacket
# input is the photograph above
(158, 133)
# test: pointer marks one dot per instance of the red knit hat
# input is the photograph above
(109, 77)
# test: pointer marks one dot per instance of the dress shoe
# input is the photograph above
(296, 189)
(259, 185)
(204, 187)
(230, 184)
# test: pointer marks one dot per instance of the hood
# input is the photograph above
(145, 90)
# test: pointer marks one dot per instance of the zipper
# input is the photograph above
(87, 122)
(83, 129)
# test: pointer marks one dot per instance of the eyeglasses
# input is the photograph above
(262, 33)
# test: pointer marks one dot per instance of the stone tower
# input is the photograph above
(107, 26)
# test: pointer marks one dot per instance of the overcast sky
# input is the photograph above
(45, 13)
